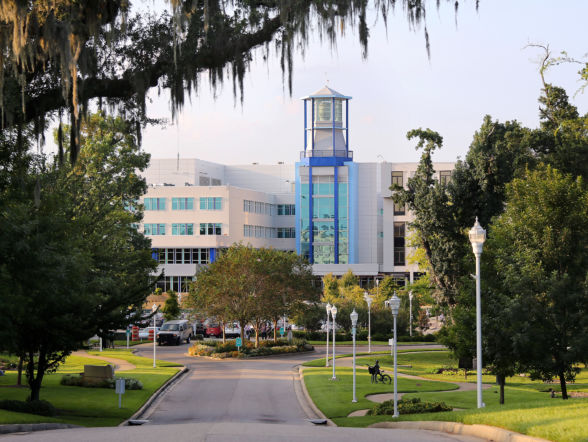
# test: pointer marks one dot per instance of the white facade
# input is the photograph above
(250, 198)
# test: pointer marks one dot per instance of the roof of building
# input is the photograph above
(326, 92)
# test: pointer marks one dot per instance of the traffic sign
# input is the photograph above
(282, 331)
(238, 342)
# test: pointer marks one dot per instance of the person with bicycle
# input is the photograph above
(375, 371)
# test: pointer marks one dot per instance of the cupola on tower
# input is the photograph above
(326, 182)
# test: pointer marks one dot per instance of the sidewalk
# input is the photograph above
(119, 364)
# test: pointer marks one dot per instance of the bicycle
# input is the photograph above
(382, 377)
(379, 376)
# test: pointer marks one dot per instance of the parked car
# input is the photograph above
(144, 332)
(174, 332)
(214, 330)
(232, 330)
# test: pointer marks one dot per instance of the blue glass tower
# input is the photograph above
(326, 182)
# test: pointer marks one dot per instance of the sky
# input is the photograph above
(479, 66)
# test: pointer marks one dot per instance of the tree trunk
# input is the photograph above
(275, 331)
(257, 327)
(19, 374)
(222, 324)
(36, 381)
(242, 327)
(501, 381)
(562, 383)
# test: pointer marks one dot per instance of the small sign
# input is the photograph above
(128, 332)
(282, 331)
(120, 386)
(391, 341)
(238, 342)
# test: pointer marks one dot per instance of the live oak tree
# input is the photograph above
(254, 286)
(72, 264)
(59, 57)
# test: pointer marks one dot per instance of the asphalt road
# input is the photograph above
(243, 390)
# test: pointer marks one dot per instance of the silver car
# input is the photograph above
(174, 332)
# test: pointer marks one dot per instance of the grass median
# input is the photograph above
(89, 406)
(528, 409)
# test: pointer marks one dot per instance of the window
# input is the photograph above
(210, 203)
(154, 229)
(247, 206)
(444, 176)
(399, 244)
(182, 203)
(182, 256)
(210, 228)
(183, 229)
(154, 203)
(397, 179)
(286, 209)
(286, 232)
(399, 209)
(177, 283)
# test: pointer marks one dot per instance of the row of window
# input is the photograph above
(206, 203)
(182, 256)
(398, 177)
(179, 284)
(268, 209)
(183, 229)
(268, 232)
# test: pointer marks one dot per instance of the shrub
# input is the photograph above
(39, 407)
(409, 406)
(198, 337)
(80, 381)
(226, 347)
(200, 350)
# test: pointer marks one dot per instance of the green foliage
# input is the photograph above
(73, 265)
(309, 316)
(171, 308)
(252, 286)
(39, 407)
(408, 406)
(539, 246)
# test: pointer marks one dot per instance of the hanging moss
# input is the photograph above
(92, 50)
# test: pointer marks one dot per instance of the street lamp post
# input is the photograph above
(369, 300)
(477, 237)
(410, 313)
(334, 315)
(394, 303)
(329, 306)
(354, 316)
(154, 308)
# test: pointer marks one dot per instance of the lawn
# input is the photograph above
(365, 343)
(321, 362)
(334, 397)
(89, 406)
(528, 408)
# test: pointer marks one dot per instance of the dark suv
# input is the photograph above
(174, 332)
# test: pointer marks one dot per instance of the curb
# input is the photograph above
(482, 431)
(309, 401)
(27, 428)
(160, 391)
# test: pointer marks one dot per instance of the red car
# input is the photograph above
(214, 329)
